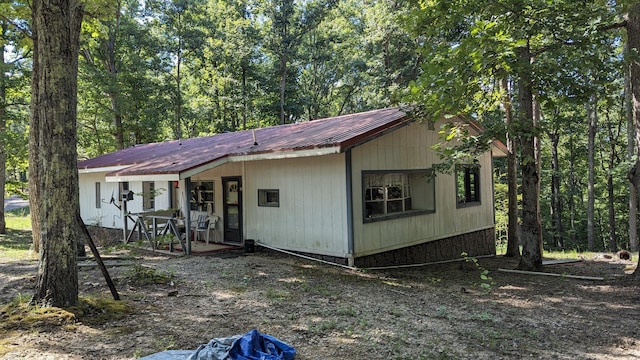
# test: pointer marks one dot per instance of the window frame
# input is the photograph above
(148, 197)
(98, 195)
(263, 197)
(472, 195)
(203, 192)
(408, 192)
(123, 188)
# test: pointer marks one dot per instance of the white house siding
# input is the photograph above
(108, 214)
(312, 213)
(405, 149)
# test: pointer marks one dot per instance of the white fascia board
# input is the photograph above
(286, 154)
(107, 169)
(205, 167)
(145, 177)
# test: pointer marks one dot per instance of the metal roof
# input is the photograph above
(334, 134)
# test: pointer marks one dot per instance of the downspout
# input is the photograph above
(187, 214)
(349, 184)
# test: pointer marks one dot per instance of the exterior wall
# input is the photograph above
(108, 214)
(312, 214)
(405, 149)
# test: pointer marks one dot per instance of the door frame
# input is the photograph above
(230, 234)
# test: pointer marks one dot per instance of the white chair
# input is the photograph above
(197, 222)
(206, 227)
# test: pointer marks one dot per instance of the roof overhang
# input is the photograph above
(102, 169)
(498, 149)
(142, 177)
(286, 154)
(122, 176)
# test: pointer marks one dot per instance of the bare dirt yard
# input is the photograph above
(439, 311)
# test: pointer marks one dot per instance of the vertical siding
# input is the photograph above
(108, 214)
(405, 149)
(312, 214)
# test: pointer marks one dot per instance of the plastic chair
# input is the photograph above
(206, 227)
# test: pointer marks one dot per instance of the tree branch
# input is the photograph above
(25, 31)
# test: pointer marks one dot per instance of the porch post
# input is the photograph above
(187, 215)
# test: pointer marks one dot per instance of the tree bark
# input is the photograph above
(3, 128)
(531, 259)
(633, 39)
(57, 23)
(592, 120)
(513, 249)
(633, 198)
(34, 137)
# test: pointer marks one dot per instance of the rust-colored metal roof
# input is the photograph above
(175, 157)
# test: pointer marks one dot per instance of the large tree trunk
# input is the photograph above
(513, 249)
(633, 38)
(592, 119)
(633, 197)
(58, 27)
(531, 258)
(34, 137)
(3, 128)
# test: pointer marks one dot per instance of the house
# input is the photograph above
(355, 189)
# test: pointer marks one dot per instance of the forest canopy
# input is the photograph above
(167, 69)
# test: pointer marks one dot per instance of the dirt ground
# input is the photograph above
(432, 312)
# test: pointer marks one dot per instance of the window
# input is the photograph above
(467, 185)
(148, 195)
(397, 194)
(98, 197)
(269, 197)
(125, 194)
(202, 196)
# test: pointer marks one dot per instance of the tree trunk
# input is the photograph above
(613, 244)
(537, 115)
(531, 259)
(633, 198)
(633, 38)
(513, 249)
(556, 203)
(34, 137)
(283, 85)
(112, 70)
(613, 156)
(178, 124)
(3, 127)
(572, 188)
(592, 119)
(58, 28)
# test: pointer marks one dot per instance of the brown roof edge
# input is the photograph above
(497, 144)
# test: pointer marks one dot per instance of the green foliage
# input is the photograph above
(144, 275)
(486, 281)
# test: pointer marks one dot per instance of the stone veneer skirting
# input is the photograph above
(477, 243)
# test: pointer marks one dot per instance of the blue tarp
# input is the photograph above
(250, 346)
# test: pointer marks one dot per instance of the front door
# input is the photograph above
(232, 208)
